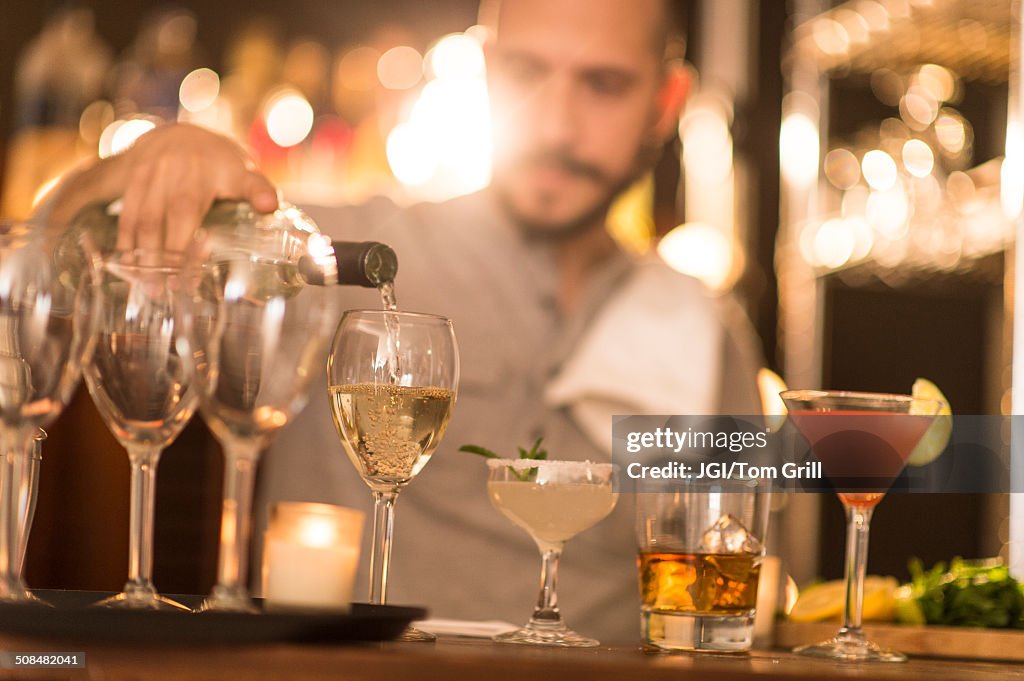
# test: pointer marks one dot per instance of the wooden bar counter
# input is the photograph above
(450, 659)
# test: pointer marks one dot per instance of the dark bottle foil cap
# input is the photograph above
(366, 263)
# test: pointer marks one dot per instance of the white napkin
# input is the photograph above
(464, 628)
(654, 348)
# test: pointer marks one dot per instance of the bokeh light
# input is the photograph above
(918, 158)
(855, 25)
(707, 140)
(938, 81)
(962, 191)
(830, 36)
(700, 250)
(889, 212)
(834, 243)
(412, 156)
(456, 56)
(918, 108)
(357, 69)
(951, 132)
(121, 134)
(94, 119)
(842, 168)
(799, 148)
(400, 68)
(289, 118)
(875, 15)
(879, 169)
(442, 148)
(199, 90)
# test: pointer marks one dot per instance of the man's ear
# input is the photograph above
(675, 87)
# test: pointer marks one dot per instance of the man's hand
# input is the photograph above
(167, 181)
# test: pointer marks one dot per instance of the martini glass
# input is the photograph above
(553, 501)
(862, 440)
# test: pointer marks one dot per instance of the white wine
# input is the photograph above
(554, 512)
(389, 431)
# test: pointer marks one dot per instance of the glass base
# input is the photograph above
(228, 599)
(415, 635)
(13, 590)
(695, 633)
(850, 647)
(547, 634)
(141, 598)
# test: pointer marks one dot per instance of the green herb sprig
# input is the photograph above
(535, 453)
(968, 593)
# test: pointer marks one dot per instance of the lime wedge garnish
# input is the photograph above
(937, 436)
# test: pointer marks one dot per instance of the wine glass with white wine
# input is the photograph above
(392, 379)
(140, 379)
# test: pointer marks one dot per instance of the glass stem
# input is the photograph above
(546, 611)
(380, 557)
(144, 460)
(858, 525)
(13, 450)
(240, 459)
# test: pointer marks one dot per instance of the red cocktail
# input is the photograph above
(863, 440)
(861, 451)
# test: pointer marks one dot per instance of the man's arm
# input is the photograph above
(168, 179)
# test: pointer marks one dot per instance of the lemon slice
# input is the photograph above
(937, 436)
(824, 601)
(769, 385)
(907, 609)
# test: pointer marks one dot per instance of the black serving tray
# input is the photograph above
(72, 618)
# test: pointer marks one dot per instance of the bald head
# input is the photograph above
(661, 17)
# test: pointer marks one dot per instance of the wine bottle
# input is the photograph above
(288, 240)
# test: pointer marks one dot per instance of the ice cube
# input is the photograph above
(729, 535)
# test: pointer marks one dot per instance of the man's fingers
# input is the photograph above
(185, 201)
(171, 177)
(152, 211)
(133, 199)
(184, 215)
(260, 193)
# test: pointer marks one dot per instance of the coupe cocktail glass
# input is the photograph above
(553, 501)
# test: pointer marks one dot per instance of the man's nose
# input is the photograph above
(556, 114)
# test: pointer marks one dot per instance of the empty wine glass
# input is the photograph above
(258, 334)
(392, 379)
(42, 345)
(27, 474)
(140, 378)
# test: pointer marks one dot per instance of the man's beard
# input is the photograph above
(644, 160)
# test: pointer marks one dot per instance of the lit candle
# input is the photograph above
(310, 554)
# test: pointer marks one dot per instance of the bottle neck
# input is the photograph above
(366, 263)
